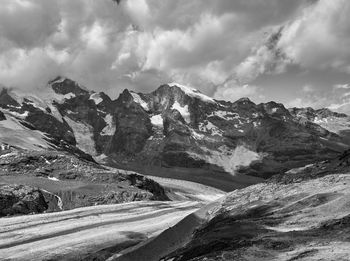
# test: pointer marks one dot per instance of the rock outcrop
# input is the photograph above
(20, 199)
(2, 116)
(68, 182)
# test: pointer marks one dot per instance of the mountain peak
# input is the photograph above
(192, 92)
(6, 99)
(62, 85)
(311, 113)
(244, 100)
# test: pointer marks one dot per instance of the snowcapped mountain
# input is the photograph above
(174, 131)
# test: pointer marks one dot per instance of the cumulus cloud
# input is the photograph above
(338, 99)
(219, 47)
(267, 58)
(109, 47)
(341, 86)
(319, 38)
(233, 90)
(27, 24)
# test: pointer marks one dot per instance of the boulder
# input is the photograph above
(20, 199)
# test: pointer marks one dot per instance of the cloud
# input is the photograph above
(308, 88)
(265, 59)
(233, 91)
(337, 100)
(219, 47)
(27, 24)
(27, 68)
(135, 43)
(341, 86)
(320, 36)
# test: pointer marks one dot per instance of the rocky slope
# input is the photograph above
(66, 181)
(335, 122)
(174, 132)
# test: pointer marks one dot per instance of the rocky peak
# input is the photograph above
(244, 102)
(65, 86)
(307, 113)
(125, 97)
(127, 101)
(166, 96)
(325, 112)
(192, 92)
(244, 105)
(310, 114)
(6, 100)
(274, 109)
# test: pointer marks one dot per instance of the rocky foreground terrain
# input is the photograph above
(53, 181)
(305, 216)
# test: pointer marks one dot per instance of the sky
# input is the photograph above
(290, 51)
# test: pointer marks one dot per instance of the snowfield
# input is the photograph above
(192, 92)
(14, 133)
(183, 111)
(138, 99)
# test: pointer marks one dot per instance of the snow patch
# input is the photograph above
(13, 133)
(17, 115)
(333, 124)
(42, 100)
(192, 92)
(197, 136)
(256, 124)
(183, 111)
(59, 80)
(230, 160)
(110, 127)
(10, 154)
(157, 120)
(96, 98)
(138, 99)
(53, 178)
(298, 170)
(69, 96)
(210, 127)
(287, 229)
(224, 115)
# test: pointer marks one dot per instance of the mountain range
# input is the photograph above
(174, 132)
